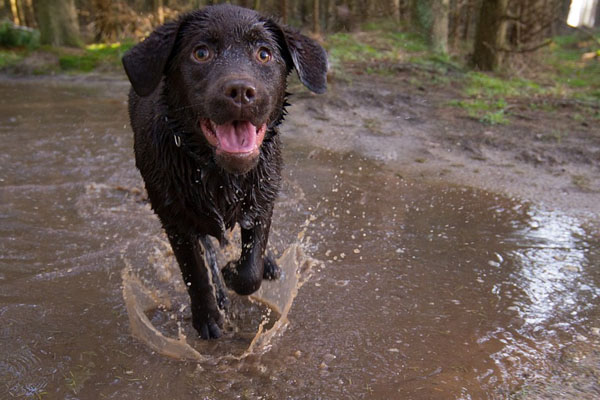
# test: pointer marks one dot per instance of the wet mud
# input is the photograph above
(394, 287)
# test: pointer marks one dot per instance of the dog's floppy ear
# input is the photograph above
(306, 56)
(145, 62)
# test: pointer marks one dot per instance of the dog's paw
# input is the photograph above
(244, 281)
(208, 323)
(272, 271)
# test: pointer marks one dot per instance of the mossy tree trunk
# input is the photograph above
(490, 38)
(57, 21)
(439, 28)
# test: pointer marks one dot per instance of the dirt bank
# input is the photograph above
(548, 155)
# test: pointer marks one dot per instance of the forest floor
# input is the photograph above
(546, 151)
(533, 134)
(543, 149)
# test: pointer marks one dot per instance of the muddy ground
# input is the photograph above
(550, 158)
(547, 157)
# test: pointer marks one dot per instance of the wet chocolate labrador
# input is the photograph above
(208, 92)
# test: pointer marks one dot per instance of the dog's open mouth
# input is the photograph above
(235, 137)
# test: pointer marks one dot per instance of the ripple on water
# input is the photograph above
(19, 357)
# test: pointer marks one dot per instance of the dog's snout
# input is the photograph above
(240, 92)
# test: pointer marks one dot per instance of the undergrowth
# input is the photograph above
(94, 56)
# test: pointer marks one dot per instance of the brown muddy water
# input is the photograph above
(411, 291)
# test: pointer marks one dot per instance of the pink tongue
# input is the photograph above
(236, 137)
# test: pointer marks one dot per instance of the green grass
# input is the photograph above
(344, 47)
(8, 58)
(373, 47)
(94, 56)
(486, 111)
(556, 71)
(574, 76)
(90, 58)
(490, 86)
(488, 96)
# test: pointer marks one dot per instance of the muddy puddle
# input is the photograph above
(396, 288)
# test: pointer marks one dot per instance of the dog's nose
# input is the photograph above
(240, 92)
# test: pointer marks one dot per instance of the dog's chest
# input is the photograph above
(229, 199)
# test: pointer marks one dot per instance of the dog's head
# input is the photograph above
(225, 70)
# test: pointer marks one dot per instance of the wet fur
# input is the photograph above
(190, 191)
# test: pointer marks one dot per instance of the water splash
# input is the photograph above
(276, 299)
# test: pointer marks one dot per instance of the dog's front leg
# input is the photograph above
(245, 275)
(206, 317)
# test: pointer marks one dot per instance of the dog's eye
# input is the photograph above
(201, 53)
(263, 55)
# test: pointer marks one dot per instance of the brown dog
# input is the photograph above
(208, 92)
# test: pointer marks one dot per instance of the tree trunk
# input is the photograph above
(57, 21)
(15, 12)
(316, 18)
(439, 28)
(27, 8)
(159, 11)
(330, 21)
(560, 24)
(490, 37)
(396, 11)
(284, 14)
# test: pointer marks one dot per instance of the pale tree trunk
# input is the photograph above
(57, 21)
(396, 10)
(439, 29)
(14, 9)
(490, 38)
(21, 11)
(159, 11)
(316, 18)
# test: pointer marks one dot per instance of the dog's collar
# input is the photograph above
(176, 135)
(179, 139)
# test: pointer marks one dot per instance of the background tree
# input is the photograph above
(58, 23)
(316, 18)
(439, 28)
(493, 31)
(490, 37)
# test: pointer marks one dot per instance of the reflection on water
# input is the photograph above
(552, 254)
(421, 291)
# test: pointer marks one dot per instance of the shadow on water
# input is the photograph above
(419, 291)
